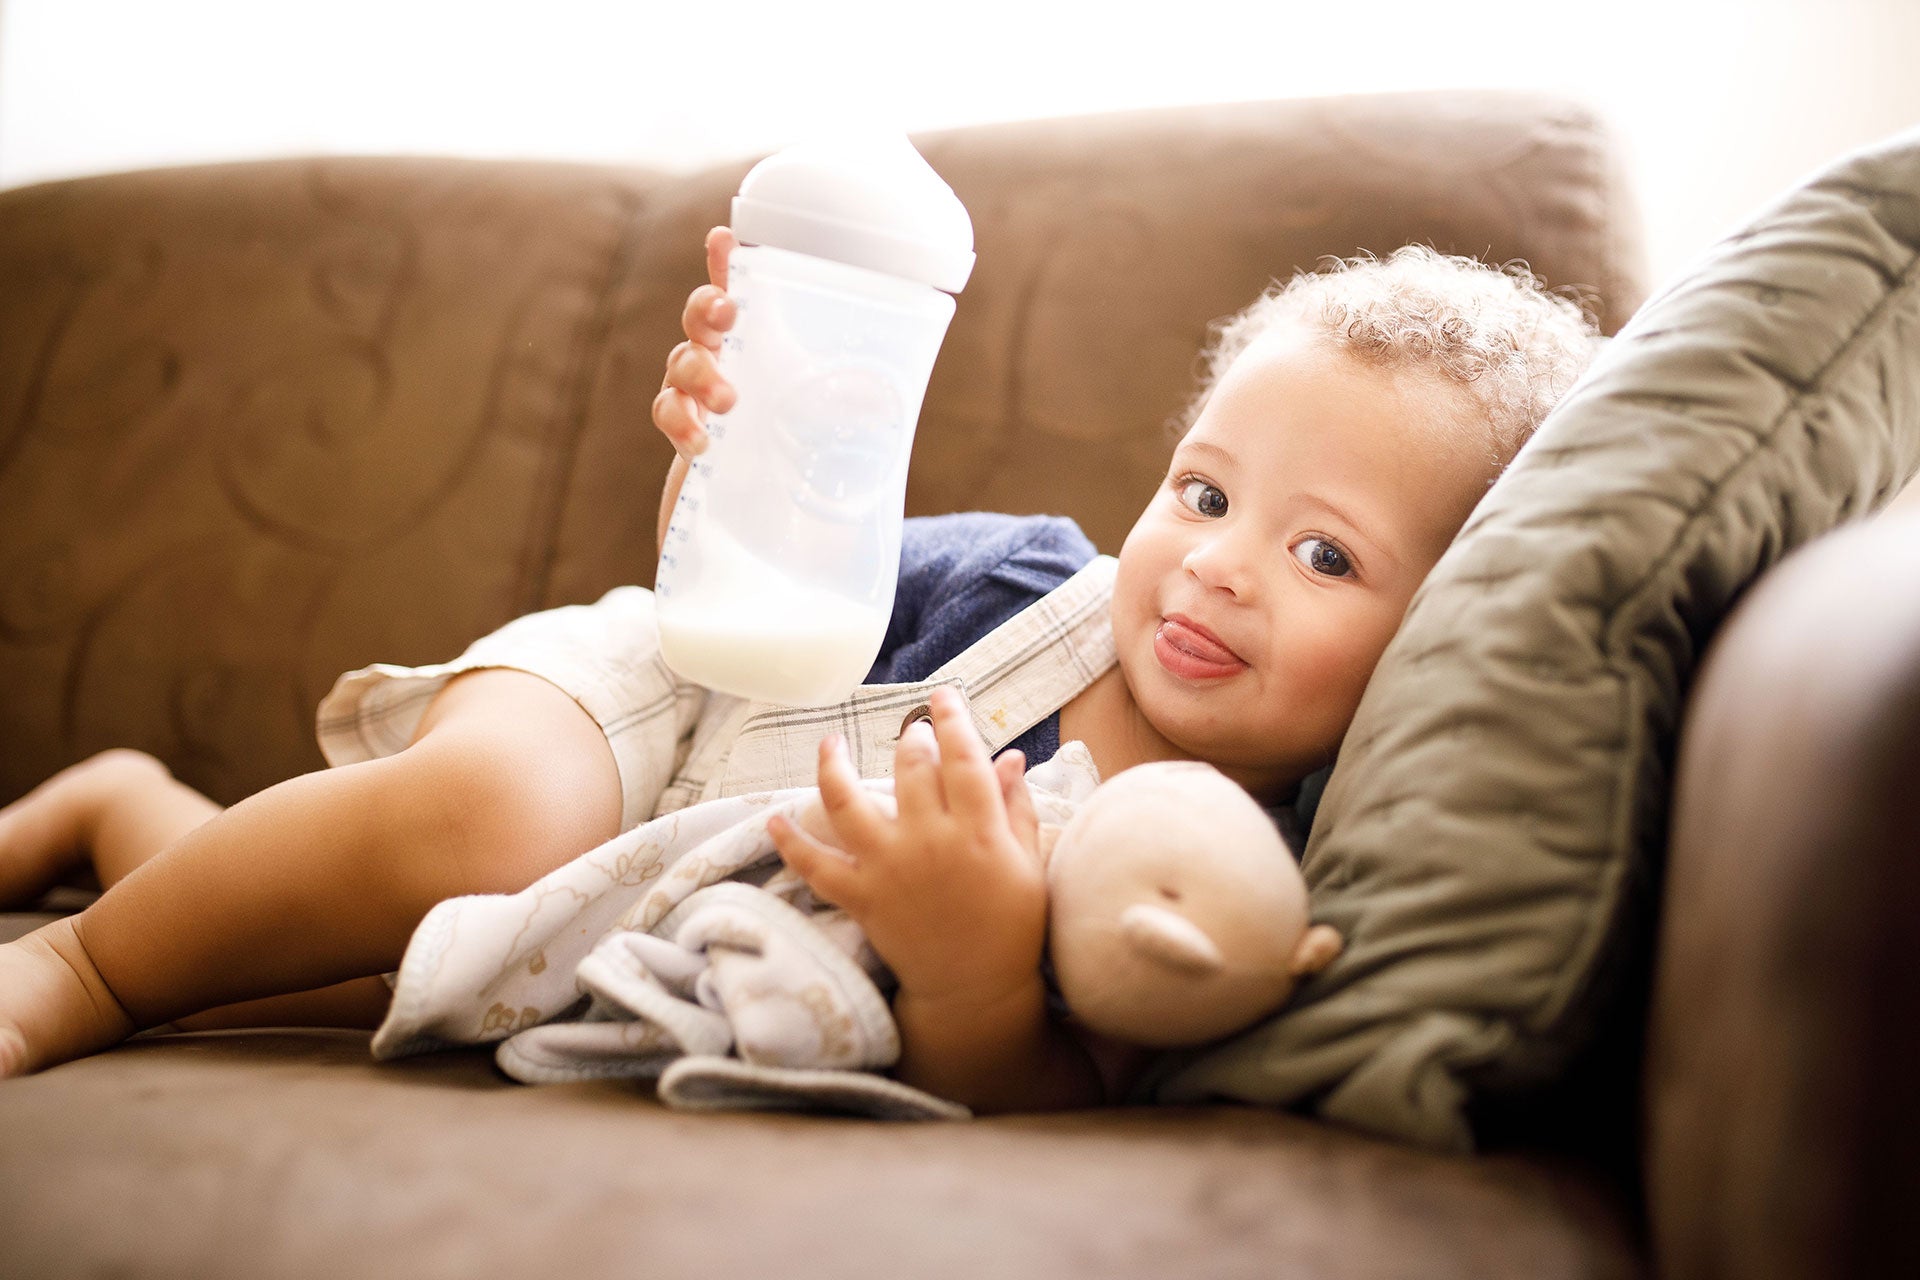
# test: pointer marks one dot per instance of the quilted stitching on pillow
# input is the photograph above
(1492, 837)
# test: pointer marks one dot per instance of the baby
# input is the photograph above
(1350, 422)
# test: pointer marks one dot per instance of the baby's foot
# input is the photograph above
(53, 1004)
(45, 833)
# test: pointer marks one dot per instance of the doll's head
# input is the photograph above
(1177, 913)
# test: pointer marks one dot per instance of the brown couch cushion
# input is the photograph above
(260, 423)
(1491, 838)
(262, 1154)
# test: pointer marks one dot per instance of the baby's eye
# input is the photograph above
(1202, 498)
(1323, 557)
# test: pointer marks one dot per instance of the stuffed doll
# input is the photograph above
(1177, 913)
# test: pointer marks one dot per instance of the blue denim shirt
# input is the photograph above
(961, 576)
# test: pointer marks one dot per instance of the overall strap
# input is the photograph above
(1030, 666)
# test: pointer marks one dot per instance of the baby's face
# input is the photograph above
(1259, 587)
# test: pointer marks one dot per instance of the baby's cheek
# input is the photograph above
(1329, 666)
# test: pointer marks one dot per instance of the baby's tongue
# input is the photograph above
(1199, 645)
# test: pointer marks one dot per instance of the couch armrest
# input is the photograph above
(1781, 1110)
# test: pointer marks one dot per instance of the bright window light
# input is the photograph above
(1720, 102)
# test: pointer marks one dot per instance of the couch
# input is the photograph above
(264, 422)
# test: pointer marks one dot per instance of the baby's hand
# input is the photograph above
(951, 893)
(693, 386)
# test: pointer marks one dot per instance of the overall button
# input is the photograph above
(923, 712)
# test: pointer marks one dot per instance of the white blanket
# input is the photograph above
(682, 952)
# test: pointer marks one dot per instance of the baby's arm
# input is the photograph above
(693, 386)
(952, 895)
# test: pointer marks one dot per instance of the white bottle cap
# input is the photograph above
(868, 201)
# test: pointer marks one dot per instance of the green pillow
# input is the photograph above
(1491, 841)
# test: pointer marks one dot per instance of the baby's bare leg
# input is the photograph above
(322, 878)
(117, 809)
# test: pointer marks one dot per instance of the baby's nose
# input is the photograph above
(1222, 563)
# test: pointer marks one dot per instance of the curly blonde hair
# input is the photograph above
(1497, 332)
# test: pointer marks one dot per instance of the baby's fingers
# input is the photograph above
(860, 823)
(1011, 769)
(708, 315)
(678, 418)
(966, 773)
(917, 787)
(694, 371)
(830, 873)
(720, 245)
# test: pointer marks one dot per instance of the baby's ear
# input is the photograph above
(1315, 951)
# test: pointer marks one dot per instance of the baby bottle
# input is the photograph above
(776, 581)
